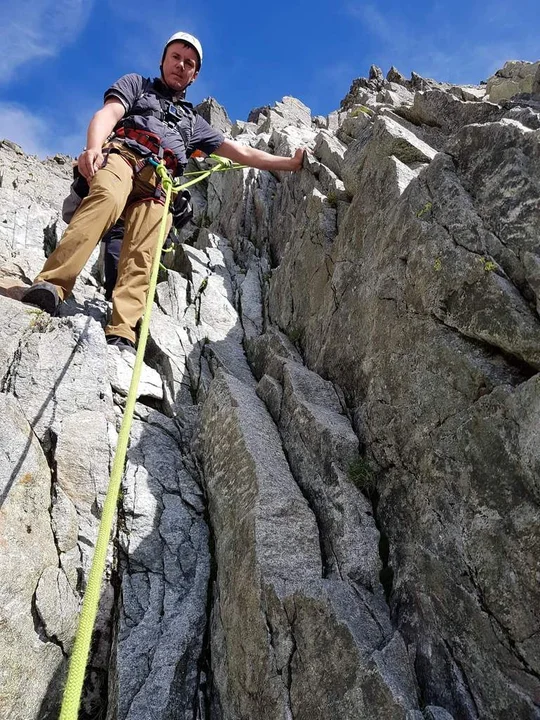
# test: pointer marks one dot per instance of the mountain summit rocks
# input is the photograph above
(330, 506)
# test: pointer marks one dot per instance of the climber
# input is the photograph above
(140, 119)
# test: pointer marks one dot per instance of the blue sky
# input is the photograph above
(58, 56)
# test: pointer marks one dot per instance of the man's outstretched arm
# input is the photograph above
(246, 155)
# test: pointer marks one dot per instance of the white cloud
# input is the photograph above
(27, 130)
(33, 29)
(375, 22)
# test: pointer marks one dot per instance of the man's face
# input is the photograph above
(180, 66)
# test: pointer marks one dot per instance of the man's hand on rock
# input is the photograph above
(297, 160)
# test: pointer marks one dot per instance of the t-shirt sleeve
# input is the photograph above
(127, 89)
(204, 137)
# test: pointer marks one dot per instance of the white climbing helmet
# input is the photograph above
(189, 40)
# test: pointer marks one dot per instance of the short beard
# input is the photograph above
(177, 90)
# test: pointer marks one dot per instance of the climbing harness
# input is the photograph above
(79, 657)
(152, 143)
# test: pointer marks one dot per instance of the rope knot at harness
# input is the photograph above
(163, 174)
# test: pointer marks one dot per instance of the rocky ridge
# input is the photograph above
(330, 504)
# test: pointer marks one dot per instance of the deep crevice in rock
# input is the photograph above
(386, 574)
(325, 561)
(205, 695)
(49, 451)
(50, 238)
(11, 371)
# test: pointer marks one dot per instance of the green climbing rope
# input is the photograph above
(77, 668)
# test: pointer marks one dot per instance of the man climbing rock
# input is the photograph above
(140, 119)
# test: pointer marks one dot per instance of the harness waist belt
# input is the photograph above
(151, 142)
(146, 139)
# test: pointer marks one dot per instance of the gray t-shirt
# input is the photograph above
(145, 100)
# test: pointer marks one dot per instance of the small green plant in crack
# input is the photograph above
(427, 208)
(489, 265)
(437, 265)
(295, 334)
(331, 198)
(361, 473)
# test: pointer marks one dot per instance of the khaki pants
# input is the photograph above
(112, 188)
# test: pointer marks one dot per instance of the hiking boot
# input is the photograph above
(121, 343)
(43, 295)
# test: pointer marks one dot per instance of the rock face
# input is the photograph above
(330, 506)
(56, 449)
(31, 193)
(215, 114)
(514, 78)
